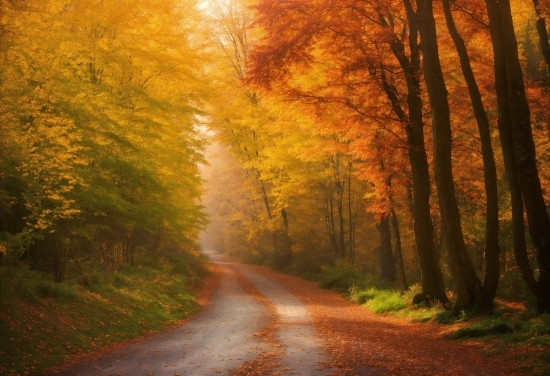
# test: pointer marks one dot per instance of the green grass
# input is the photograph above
(378, 301)
(386, 301)
(525, 332)
(341, 276)
(43, 322)
(510, 327)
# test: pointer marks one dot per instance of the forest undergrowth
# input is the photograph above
(513, 325)
(43, 323)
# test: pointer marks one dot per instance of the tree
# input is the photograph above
(519, 149)
(104, 120)
(540, 11)
(492, 247)
(467, 284)
(358, 48)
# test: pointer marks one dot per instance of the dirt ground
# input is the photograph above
(361, 343)
(259, 322)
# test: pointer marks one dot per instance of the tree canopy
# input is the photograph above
(398, 110)
(101, 137)
(406, 139)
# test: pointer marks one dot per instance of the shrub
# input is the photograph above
(95, 279)
(378, 301)
(45, 289)
(386, 301)
(539, 325)
(511, 286)
(452, 317)
(87, 280)
(25, 289)
(479, 331)
(341, 276)
(362, 296)
(58, 291)
(119, 280)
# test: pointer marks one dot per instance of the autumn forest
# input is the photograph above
(404, 141)
(410, 140)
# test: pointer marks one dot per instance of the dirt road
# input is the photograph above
(261, 323)
(251, 323)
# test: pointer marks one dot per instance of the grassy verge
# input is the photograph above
(511, 327)
(42, 322)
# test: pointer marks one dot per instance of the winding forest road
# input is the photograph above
(252, 323)
(259, 322)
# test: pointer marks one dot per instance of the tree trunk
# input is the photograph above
(133, 236)
(468, 286)
(387, 262)
(398, 250)
(266, 201)
(331, 226)
(511, 91)
(543, 37)
(351, 222)
(341, 229)
(492, 248)
(433, 287)
(505, 135)
(286, 244)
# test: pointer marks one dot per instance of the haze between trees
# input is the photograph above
(347, 138)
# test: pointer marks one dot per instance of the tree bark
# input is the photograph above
(543, 37)
(341, 229)
(492, 248)
(513, 104)
(468, 286)
(398, 250)
(286, 243)
(387, 261)
(351, 222)
(433, 287)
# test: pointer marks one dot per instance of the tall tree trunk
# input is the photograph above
(133, 241)
(351, 222)
(332, 227)
(433, 287)
(543, 37)
(340, 190)
(266, 201)
(468, 286)
(387, 261)
(505, 135)
(341, 228)
(286, 243)
(513, 102)
(398, 250)
(492, 247)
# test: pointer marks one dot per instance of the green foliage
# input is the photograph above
(378, 301)
(538, 325)
(341, 276)
(477, 331)
(308, 262)
(419, 312)
(448, 317)
(25, 289)
(386, 301)
(509, 325)
(511, 286)
(359, 296)
(45, 322)
(89, 280)
(119, 281)
(59, 291)
(99, 122)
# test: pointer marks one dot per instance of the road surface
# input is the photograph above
(252, 321)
